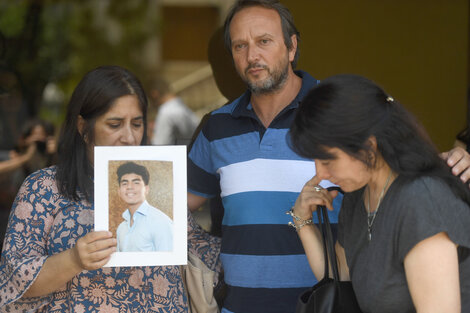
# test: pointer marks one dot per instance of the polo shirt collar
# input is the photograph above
(244, 108)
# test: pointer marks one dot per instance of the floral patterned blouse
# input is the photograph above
(43, 223)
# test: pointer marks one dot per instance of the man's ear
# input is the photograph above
(293, 48)
(147, 188)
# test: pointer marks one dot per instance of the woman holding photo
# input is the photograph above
(52, 259)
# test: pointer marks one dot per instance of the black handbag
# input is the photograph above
(329, 295)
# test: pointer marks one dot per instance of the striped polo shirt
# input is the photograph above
(259, 178)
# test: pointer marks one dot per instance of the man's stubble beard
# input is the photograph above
(275, 80)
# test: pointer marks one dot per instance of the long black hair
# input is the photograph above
(344, 111)
(93, 97)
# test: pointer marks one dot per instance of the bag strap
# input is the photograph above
(326, 272)
(328, 244)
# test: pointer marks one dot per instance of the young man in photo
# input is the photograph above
(145, 228)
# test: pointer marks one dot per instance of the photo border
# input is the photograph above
(175, 154)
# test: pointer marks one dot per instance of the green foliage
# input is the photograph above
(12, 17)
(59, 41)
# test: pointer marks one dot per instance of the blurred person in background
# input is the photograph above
(36, 148)
(463, 138)
(41, 134)
(462, 142)
(175, 122)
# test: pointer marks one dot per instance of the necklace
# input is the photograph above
(371, 216)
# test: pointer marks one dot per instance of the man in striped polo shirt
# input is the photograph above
(242, 153)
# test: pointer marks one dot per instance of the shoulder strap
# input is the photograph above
(328, 244)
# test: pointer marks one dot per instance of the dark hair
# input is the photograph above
(93, 97)
(344, 111)
(133, 168)
(287, 23)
